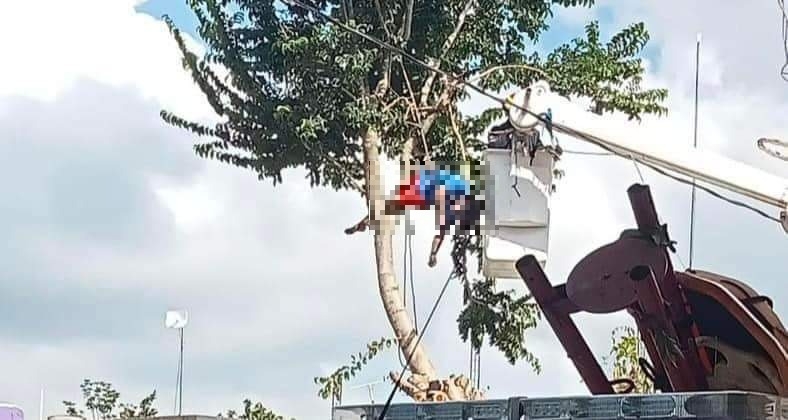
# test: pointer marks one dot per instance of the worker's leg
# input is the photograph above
(440, 207)
(407, 195)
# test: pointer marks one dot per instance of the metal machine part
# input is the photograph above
(688, 161)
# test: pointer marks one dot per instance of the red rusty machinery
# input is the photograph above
(701, 331)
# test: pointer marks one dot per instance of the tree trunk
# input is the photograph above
(383, 230)
(423, 384)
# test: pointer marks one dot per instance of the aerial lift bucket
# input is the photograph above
(518, 189)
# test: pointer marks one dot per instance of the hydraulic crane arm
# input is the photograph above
(688, 161)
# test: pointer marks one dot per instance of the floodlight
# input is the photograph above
(176, 319)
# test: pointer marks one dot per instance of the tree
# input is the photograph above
(626, 351)
(302, 92)
(331, 386)
(252, 411)
(100, 400)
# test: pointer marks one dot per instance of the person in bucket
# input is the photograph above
(447, 190)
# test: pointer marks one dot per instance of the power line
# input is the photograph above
(418, 340)
(541, 118)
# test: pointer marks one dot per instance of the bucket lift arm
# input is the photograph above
(688, 161)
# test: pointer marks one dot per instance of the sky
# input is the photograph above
(109, 219)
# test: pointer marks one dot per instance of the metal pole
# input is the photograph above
(695, 144)
(41, 406)
(180, 379)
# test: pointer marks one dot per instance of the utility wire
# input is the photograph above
(556, 126)
(407, 276)
(418, 340)
(578, 152)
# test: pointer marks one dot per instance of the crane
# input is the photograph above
(527, 105)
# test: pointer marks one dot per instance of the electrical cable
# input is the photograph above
(540, 118)
(407, 274)
(556, 126)
(418, 340)
(592, 139)
(412, 284)
(577, 152)
(404, 290)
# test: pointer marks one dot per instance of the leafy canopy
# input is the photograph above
(301, 92)
(101, 401)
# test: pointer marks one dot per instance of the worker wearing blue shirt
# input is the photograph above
(445, 189)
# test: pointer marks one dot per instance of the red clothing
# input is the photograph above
(409, 194)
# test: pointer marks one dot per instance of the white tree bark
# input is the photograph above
(383, 231)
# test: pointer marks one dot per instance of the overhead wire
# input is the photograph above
(415, 345)
(556, 126)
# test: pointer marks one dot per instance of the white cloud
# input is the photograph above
(105, 41)
(275, 288)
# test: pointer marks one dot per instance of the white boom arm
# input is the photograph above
(688, 161)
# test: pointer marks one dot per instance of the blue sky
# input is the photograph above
(560, 30)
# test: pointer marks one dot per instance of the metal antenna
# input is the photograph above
(695, 144)
(178, 320)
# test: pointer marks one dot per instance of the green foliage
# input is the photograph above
(252, 411)
(100, 400)
(501, 317)
(625, 353)
(301, 92)
(331, 385)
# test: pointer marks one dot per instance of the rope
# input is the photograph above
(412, 285)
(407, 277)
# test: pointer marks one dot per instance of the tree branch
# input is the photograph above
(406, 25)
(491, 70)
(382, 20)
(456, 130)
(414, 108)
(425, 90)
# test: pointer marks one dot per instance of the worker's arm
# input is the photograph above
(437, 241)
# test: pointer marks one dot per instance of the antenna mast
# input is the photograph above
(694, 144)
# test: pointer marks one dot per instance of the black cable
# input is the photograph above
(596, 141)
(418, 340)
(578, 152)
(501, 101)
